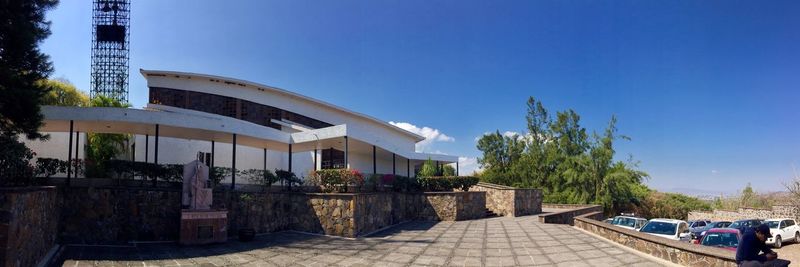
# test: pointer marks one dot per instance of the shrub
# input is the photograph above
(287, 177)
(15, 167)
(337, 180)
(373, 182)
(447, 183)
(263, 178)
(46, 167)
(387, 179)
(405, 184)
(429, 168)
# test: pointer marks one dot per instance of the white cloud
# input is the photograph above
(468, 165)
(714, 171)
(431, 135)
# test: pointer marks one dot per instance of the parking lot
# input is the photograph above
(521, 241)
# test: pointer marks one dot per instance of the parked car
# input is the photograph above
(726, 238)
(782, 230)
(668, 228)
(698, 223)
(699, 232)
(744, 224)
(629, 222)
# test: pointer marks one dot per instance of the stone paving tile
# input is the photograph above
(500, 241)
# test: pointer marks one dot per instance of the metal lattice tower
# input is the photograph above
(110, 39)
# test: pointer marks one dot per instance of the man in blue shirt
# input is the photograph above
(752, 244)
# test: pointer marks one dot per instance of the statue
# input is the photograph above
(196, 196)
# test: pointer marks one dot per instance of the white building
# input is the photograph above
(189, 112)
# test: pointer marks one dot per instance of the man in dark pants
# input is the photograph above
(753, 242)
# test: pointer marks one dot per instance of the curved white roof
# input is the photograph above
(262, 87)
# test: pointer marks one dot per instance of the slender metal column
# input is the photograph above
(394, 165)
(69, 153)
(408, 167)
(346, 152)
(290, 157)
(212, 155)
(77, 148)
(155, 156)
(146, 147)
(456, 167)
(374, 162)
(233, 164)
(265, 159)
(315, 159)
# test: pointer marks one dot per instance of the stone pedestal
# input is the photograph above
(203, 226)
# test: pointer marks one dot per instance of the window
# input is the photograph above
(230, 107)
(789, 223)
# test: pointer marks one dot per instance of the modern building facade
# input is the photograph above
(271, 128)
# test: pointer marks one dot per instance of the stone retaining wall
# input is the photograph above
(510, 201)
(568, 216)
(116, 215)
(682, 253)
(747, 213)
(94, 215)
(28, 224)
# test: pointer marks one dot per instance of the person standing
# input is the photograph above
(748, 253)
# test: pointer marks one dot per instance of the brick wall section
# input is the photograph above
(682, 253)
(747, 213)
(509, 201)
(28, 224)
(568, 216)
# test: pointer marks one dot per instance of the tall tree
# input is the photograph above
(22, 28)
(63, 93)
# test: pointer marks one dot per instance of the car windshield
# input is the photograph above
(661, 228)
(721, 240)
(623, 221)
(773, 224)
(737, 224)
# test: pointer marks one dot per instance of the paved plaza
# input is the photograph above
(521, 241)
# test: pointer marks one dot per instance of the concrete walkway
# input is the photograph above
(521, 241)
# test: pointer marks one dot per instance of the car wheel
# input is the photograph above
(778, 242)
(797, 237)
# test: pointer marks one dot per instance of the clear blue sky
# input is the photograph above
(708, 90)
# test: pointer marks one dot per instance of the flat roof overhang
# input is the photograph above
(171, 124)
(218, 129)
(333, 137)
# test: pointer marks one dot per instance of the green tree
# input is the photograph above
(22, 28)
(448, 170)
(560, 157)
(428, 169)
(102, 147)
(63, 93)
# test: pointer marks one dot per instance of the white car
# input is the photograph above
(668, 228)
(629, 222)
(782, 230)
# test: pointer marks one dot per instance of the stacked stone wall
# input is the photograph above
(746, 213)
(28, 224)
(568, 216)
(509, 201)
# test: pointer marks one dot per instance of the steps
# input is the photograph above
(490, 214)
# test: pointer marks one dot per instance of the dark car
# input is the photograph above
(725, 238)
(699, 232)
(744, 224)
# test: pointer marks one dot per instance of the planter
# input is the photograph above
(247, 234)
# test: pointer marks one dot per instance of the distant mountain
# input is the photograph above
(700, 193)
